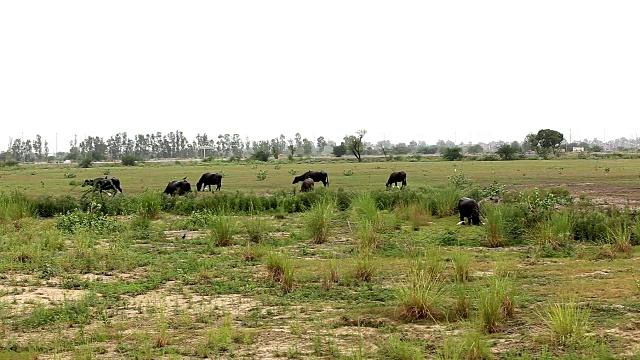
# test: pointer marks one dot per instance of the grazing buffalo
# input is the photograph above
(397, 177)
(314, 175)
(209, 179)
(307, 185)
(181, 187)
(469, 209)
(104, 184)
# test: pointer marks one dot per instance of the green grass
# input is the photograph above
(94, 285)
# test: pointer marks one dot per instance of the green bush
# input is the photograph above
(130, 160)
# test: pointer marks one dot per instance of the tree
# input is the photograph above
(475, 149)
(428, 149)
(339, 150)
(321, 143)
(506, 152)
(452, 153)
(354, 143)
(307, 147)
(401, 149)
(549, 139)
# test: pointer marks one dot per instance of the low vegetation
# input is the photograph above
(337, 272)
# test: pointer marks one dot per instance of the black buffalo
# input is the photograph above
(397, 177)
(469, 209)
(181, 187)
(104, 184)
(313, 175)
(209, 179)
(307, 185)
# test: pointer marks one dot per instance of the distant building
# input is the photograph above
(578, 149)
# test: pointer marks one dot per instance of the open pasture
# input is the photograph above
(614, 181)
(361, 274)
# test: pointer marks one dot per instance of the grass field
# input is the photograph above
(609, 179)
(363, 283)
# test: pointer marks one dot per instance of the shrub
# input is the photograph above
(261, 175)
(149, 204)
(87, 221)
(260, 155)
(589, 225)
(87, 162)
(130, 160)
(347, 172)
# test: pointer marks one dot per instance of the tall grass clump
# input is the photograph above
(364, 209)
(619, 236)
(257, 229)
(369, 239)
(15, 206)
(589, 225)
(461, 263)
(221, 230)
(395, 348)
(330, 275)
(496, 301)
(423, 297)
(149, 205)
(554, 235)
(365, 267)
(280, 269)
(495, 225)
(445, 201)
(318, 220)
(417, 213)
(567, 320)
(472, 346)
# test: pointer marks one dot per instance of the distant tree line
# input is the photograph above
(545, 143)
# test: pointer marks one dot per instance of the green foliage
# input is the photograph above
(92, 221)
(69, 175)
(471, 346)
(15, 205)
(495, 225)
(149, 204)
(459, 180)
(507, 152)
(619, 236)
(130, 160)
(494, 190)
(221, 230)
(339, 150)
(318, 220)
(395, 348)
(423, 297)
(347, 172)
(261, 175)
(553, 236)
(567, 320)
(452, 153)
(257, 229)
(589, 225)
(260, 155)
(87, 162)
(495, 303)
(461, 263)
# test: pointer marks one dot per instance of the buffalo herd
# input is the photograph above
(468, 208)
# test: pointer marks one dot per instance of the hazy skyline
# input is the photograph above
(414, 70)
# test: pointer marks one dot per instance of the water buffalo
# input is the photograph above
(314, 175)
(307, 185)
(396, 177)
(104, 184)
(209, 179)
(469, 209)
(181, 187)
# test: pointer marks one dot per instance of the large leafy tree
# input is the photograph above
(507, 152)
(545, 141)
(452, 153)
(354, 143)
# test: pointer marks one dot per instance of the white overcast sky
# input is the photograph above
(469, 71)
